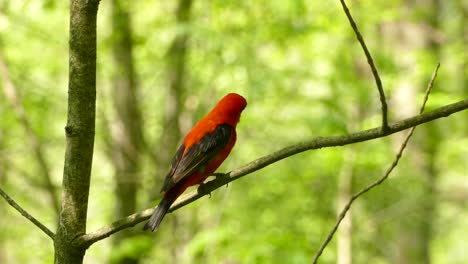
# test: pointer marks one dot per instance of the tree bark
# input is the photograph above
(79, 131)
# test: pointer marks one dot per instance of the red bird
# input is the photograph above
(203, 150)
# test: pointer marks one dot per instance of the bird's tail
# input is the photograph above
(158, 214)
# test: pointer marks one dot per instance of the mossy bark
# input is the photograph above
(79, 131)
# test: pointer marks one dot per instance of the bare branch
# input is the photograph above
(342, 215)
(375, 73)
(15, 100)
(223, 179)
(26, 214)
(104, 232)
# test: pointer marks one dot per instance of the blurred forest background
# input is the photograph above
(163, 64)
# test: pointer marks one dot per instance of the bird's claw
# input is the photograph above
(221, 176)
(202, 188)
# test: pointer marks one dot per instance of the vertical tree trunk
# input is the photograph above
(344, 234)
(176, 73)
(126, 131)
(462, 28)
(415, 232)
(79, 131)
(430, 146)
(345, 191)
(3, 175)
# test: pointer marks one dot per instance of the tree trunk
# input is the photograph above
(415, 231)
(431, 140)
(344, 234)
(176, 74)
(79, 131)
(3, 174)
(126, 131)
(345, 190)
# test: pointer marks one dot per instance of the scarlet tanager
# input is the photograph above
(203, 150)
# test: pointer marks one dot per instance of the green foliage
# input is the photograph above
(304, 75)
(132, 247)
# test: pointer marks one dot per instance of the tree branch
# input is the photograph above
(88, 239)
(370, 61)
(320, 142)
(379, 181)
(26, 214)
(12, 95)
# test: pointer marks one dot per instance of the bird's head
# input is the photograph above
(230, 108)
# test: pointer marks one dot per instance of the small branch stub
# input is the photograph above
(375, 73)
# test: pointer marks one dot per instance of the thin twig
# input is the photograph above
(375, 73)
(342, 215)
(26, 214)
(12, 95)
(322, 142)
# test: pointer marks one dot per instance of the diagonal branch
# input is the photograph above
(88, 239)
(12, 95)
(26, 214)
(379, 181)
(317, 143)
(375, 73)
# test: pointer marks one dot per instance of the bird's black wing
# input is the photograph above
(186, 163)
(168, 182)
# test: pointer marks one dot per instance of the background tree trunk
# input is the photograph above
(344, 234)
(14, 97)
(3, 175)
(295, 62)
(353, 115)
(126, 128)
(415, 231)
(176, 73)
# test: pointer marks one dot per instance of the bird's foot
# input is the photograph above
(203, 188)
(222, 177)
